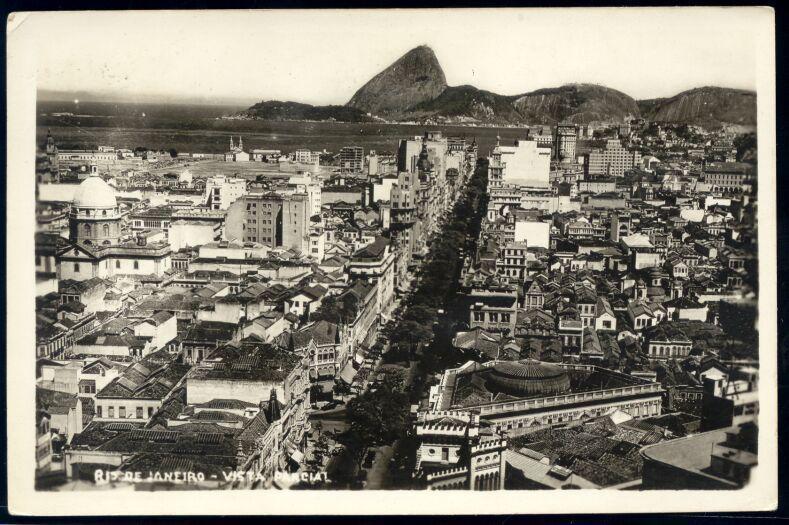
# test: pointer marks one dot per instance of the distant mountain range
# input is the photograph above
(414, 88)
(706, 106)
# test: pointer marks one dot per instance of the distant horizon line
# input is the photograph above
(55, 95)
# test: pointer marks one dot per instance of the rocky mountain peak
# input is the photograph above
(413, 78)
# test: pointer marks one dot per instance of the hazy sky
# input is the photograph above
(323, 57)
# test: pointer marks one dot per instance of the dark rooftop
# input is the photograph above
(257, 362)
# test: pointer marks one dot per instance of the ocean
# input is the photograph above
(200, 128)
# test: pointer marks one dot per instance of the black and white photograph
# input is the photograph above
(486, 251)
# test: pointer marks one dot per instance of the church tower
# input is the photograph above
(273, 406)
(423, 164)
(94, 218)
(52, 149)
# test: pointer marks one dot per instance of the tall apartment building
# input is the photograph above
(351, 159)
(372, 163)
(612, 161)
(565, 138)
(620, 226)
(221, 191)
(404, 225)
(524, 164)
(272, 219)
(303, 156)
(408, 154)
(437, 147)
(305, 184)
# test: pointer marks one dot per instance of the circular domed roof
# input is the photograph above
(94, 193)
(529, 377)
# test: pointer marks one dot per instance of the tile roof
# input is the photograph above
(256, 362)
(139, 381)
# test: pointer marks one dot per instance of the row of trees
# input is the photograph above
(440, 273)
(381, 416)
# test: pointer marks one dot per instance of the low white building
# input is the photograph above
(161, 328)
(185, 233)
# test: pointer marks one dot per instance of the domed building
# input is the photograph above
(528, 377)
(526, 395)
(97, 247)
(94, 218)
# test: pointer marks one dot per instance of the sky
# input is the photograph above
(323, 57)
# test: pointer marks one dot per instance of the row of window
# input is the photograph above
(669, 350)
(520, 262)
(135, 264)
(105, 229)
(89, 213)
(254, 238)
(151, 224)
(493, 317)
(513, 272)
(138, 412)
(643, 323)
(748, 410)
(254, 205)
(634, 409)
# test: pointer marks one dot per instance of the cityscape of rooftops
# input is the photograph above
(431, 287)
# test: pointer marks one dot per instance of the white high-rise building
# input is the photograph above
(535, 234)
(221, 191)
(524, 164)
(613, 161)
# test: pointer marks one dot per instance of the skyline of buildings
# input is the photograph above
(194, 314)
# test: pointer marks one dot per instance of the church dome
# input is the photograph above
(529, 377)
(94, 193)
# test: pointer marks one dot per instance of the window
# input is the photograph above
(98, 411)
(139, 413)
(76, 267)
(150, 412)
(136, 265)
(122, 412)
(111, 412)
(117, 264)
(606, 324)
(87, 230)
(445, 454)
(106, 229)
